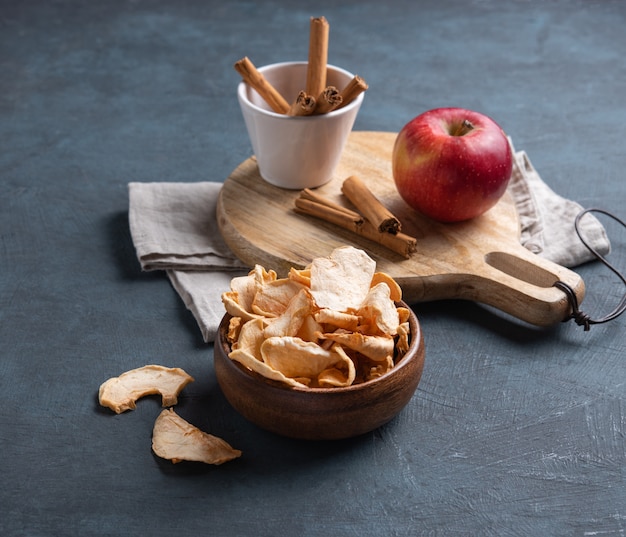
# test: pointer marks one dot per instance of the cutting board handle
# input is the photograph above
(515, 281)
(533, 280)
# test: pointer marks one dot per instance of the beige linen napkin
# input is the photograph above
(547, 219)
(174, 228)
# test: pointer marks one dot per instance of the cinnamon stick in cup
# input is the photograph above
(328, 100)
(365, 201)
(256, 80)
(296, 152)
(353, 89)
(318, 56)
(304, 105)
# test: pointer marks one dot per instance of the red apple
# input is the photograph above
(451, 164)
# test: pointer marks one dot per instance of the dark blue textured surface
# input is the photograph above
(513, 430)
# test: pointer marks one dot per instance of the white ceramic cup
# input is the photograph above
(296, 152)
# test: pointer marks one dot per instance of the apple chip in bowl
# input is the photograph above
(330, 351)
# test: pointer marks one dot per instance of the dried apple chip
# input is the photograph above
(343, 374)
(263, 276)
(402, 345)
(301, 276)
(377, 348)
(234, 329)
(394, 287)
(378, 369)
(341, 281)
(290, 321)
(121, 393)
(175, 439)
(254, 364)
(233, 307)
(309, 329)
(333, 378)
(404, 314)
(380, 309)
(339, 319)
(251, 337)
(243, 290)
(273, 298)
(296, 358)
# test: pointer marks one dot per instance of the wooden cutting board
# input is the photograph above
(480, 260)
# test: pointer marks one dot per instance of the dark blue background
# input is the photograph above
(514, 430)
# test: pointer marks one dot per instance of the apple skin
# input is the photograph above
(449, 170)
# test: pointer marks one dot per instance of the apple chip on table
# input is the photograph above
(121, 393)
(176, 439)
(173, 437)
(334, 323)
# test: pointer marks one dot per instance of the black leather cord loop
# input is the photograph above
(579, 317)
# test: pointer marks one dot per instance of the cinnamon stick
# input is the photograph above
(373, 210)
(353, 89)
(304, 105)
(329, 214)
(257, 81)
(326, 210)
(318, 56)
(308, 194)
(328, 100)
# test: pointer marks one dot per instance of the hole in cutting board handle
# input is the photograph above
(521, 269)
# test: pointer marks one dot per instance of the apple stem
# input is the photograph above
(463, 128)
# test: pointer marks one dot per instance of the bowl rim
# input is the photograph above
(415, 343)
(245, 101)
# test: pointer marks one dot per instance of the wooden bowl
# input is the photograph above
(318, 413)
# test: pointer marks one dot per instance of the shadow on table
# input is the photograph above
(123, 250)
(467, 315)
(125, 259)
(264, 454)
